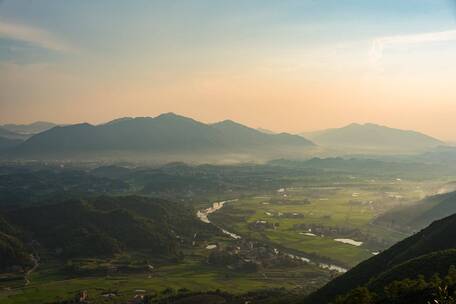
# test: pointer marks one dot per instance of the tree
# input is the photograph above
(360, 295)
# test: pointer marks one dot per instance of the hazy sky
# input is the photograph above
(278, 64)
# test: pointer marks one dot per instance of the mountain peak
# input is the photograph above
(356, 125)
(170, 115)
(117, 120)
(229, 125)
(166, 133)
(373, 137)
(227, 122)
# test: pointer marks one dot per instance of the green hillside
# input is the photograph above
(421, 214)
(425, 253)
(12, 250)
(107, 225)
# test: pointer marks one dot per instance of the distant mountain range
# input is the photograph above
(365, 137)
(183, 138)
(166, 134)
(430, 251)
(29, 129)
(9, 139)
(7, 134)
(11, 135)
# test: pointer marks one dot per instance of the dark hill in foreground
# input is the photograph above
(425, 253)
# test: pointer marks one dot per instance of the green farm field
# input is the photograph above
(288, 224)
(346, 211)
(51, 284)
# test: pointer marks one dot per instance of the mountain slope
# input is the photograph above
(33, 128)
(166, 134)
(375, 137)
(267, 131)
(422, 213)
(436, 239)
(242, 136)
(8, 143)
(5, 133)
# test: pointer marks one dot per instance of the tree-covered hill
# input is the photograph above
(12, 249)
(425, 253)
(21, 185)
(106, 225)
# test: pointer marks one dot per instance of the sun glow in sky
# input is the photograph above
(284, 65)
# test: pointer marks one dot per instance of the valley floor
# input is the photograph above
(323, 223)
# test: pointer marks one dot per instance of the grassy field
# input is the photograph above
(49, 283)
(349, 206)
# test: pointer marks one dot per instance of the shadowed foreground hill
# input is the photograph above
(430, 251)
(164, 134)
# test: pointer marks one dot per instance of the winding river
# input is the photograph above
(203, 216)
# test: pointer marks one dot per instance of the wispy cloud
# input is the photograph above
(34, 36)
(382, 43)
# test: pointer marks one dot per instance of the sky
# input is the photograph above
(283, 65)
